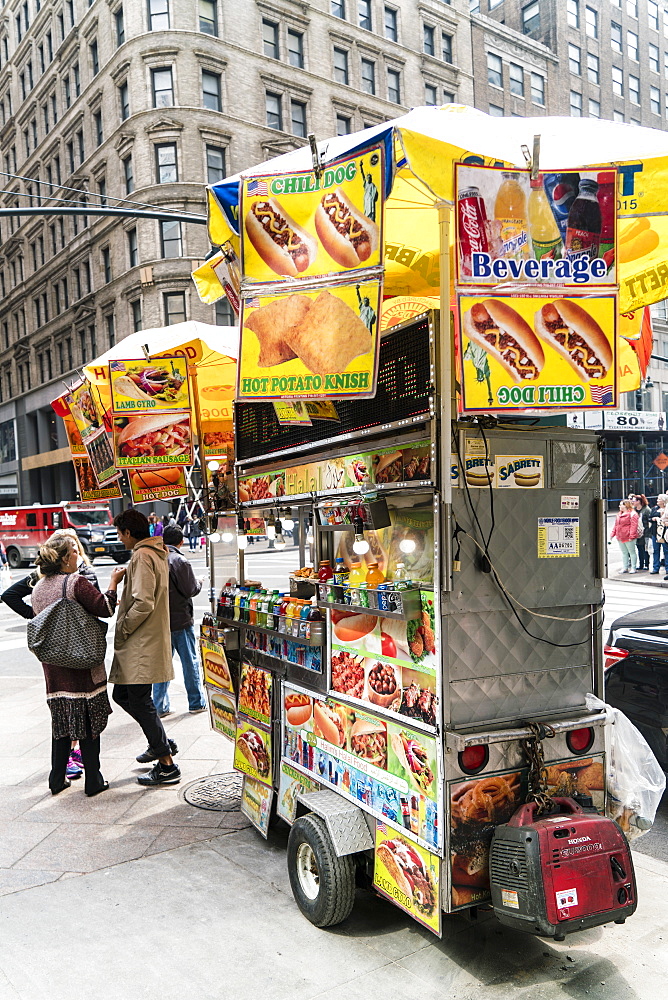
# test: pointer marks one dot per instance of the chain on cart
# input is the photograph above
(535, 755)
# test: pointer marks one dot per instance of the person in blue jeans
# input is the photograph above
(183, 586)
(658, 534)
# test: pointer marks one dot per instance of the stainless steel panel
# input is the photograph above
(518, 696)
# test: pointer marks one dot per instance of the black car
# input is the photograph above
(636, 673)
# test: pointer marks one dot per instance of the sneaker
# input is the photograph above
(624, 571)
(631, 571)
(161, 775)
(197, 711)
(163, 715)
(75, 758)
(149, 754)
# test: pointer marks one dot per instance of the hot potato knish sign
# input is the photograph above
(537, 353)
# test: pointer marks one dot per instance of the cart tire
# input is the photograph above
(323, 884)
(14, 558)
(121, 557)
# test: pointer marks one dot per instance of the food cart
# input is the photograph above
(393, 716)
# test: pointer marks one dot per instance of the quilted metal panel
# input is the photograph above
(518, 696)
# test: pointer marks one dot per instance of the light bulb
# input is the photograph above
(279, 542)
(213, 466)
(242, 541)
(288, 523)
(360, 545)
(227, 536)
(407, 545)
(271, 531)
(214, 537)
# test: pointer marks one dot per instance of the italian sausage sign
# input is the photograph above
(303, 226)
(537, 353)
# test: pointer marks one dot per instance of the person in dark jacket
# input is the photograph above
(183, 586)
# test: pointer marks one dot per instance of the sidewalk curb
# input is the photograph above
(649, 864)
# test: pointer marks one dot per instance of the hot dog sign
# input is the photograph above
(303, 226)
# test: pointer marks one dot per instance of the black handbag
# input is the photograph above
(66, 635)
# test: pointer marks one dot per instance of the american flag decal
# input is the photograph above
(256, 187)
(117, 366)
(601, 394)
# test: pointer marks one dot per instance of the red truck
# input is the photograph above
(24, 529)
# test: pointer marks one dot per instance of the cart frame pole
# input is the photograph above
(444, 352)
(210, 561)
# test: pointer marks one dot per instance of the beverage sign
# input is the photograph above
(301, 226)
(558, 229)
(540, 353)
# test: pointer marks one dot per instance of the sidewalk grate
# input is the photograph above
(218, 792)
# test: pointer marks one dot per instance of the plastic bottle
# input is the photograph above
(274, 606)
(237, 605)
(315, 614)
(399, 573)
(510, 210)
(374, 575)
(545, 235)
(262, 607)
(606, 201)
(291, 613)
(357, 575)
(304, 626)
(341, 573)
(325, 573)
(282, 612)
(252, 608)
(583, 234)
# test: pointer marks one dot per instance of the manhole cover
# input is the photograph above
(218, 792)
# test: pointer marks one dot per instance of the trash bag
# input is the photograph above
(635, 780)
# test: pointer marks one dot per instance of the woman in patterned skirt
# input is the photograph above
(77, 698)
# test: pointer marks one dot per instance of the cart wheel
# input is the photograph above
(323, 884)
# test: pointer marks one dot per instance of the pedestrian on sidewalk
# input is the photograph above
(659, 543)
(142, 648)
(183, 586)
(625, 530)
(642, 541)
(77, 699)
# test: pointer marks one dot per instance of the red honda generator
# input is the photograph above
(562, 872)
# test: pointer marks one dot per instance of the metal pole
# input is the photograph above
(197, 220)
(444, 396)
(192, 372)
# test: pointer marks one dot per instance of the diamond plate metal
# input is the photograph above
(346, 822)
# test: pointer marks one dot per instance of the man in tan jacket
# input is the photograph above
(142, 643)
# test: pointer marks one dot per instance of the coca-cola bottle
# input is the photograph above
(472, 227)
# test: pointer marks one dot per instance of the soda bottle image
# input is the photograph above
(561, 190)
(583, 233)
(606, 201)
(472, 219)
(510, 211)
(545, 235)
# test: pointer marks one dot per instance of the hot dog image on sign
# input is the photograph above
(527, 352)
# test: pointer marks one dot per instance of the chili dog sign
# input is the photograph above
(537, 353)
(303, 226)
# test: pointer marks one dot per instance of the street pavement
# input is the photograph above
(137, 894)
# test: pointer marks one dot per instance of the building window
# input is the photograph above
(274, 110)
(494, 70)
(97, 128)
(428, 39)
(224, 313)
(175, 307)
(391, 24)
(339, 8)
(632, 8)
(166, 169)
(135, 309)
(448, 97)
(102, 191)
(296, 48)
(163, 87)
(343, 125)
(128, 175)
(120, 27)
(592, 68)
(80, 145)
(655, 100)
(538, 88)
(111, 333)
(270, 45)
(158, 15)
(94, 57)
(594, 108)
(531, 18)
(430, 94)
(665, 64)
(124, 100)
(576, 104)
(106, 264)
(368, 76)
(77, 79)
(632, 45)
(591, 22)
(66, 91)
(574, 59)
(495, 111)
(616, 36)
(341, 66)
(170, 239)
(573, 13)
(54, 108)
(653, 14)
(298, 118)
(133, 250)
(211, 91)
(394, 86)
(634, 89)
(208, 19)
(516, 75)
(654, 58)
(215, 164)
(447, 47)
(364, 9)
(617, 81)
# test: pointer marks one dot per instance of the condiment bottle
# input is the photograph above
(374, 576)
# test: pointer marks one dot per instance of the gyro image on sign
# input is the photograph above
(507, 337)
